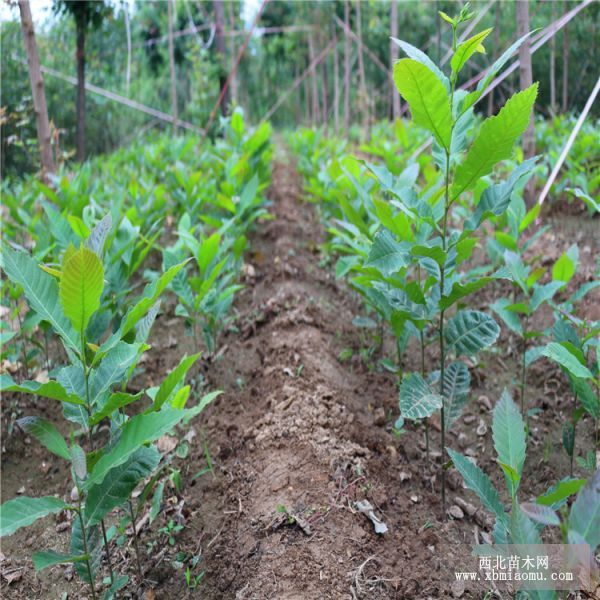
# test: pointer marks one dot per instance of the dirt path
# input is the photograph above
(299, 437)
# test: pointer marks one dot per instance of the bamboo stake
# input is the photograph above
(567, 147)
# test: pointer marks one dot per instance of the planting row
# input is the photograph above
(74, 256)
(404, 230)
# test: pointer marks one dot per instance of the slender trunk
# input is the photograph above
(438, 32)
(347, 50)
(298, 103)
(498, 20)
(565, 69)
(394, 55)
(172, 67)
(313, 81)
(220, 47)
(128, 33)
(37, 91)
(553, 65)
(308, 116)
(80, 130)
(336, 86)
(361, 72)
(525, 80)
(232, 52)
(325, 92)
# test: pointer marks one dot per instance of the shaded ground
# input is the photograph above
(297, 438)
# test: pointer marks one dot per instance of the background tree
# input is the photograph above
(37, 90)
(86, 15)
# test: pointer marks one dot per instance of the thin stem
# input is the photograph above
(135, 542)
(85, 550)
(108, 556)
(23, 344)
(422, 340)
(523, 365)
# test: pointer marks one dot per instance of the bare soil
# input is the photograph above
(298, 437)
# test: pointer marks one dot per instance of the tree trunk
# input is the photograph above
(497, 23)
(128, 33)
(565, 57)
(336, 86)
(361, 73)
(394, 54)
(553, 65)
(172, 67)
(313, 81)
(308, 116)
(80, 126)
(325, 91)
(220, 47)
(347, 49)
(37, 91)
(525, 80)
(234, 82)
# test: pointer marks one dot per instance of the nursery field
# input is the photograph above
(262, 363)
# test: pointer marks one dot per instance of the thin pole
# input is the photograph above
(565, 150)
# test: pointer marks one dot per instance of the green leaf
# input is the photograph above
(94, 547)
(540, 513)
(119, 483)
(112, 369)
(510, 318)
(51, 389)
(558, 494)
(477, 481)
(470, 331)
(543, 293)
(139, 430)
(584, 517)
(508, 432)
(23, 511)
(78, 226)
(173, 379)
(207, 252)
(568, 437)
(495, 141)
(474, 96)
(81, 286)
(97, 238)
(386, 254)
(46, 434)
(50, 558)
(522, 530)
(41, 291)
(467, 48)
(566, 266)
(417, 399)
(420, 56)
(462, 290)
(427, 97)
(588, 399)
(196, 410)
(457, 381)
(115, 401)
(434, 252)
(559, 354)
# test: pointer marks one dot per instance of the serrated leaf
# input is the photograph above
(558, 494)
(97, 238)
(457, 381)
(115, 401)
(78, 461)
(417, 399)
(173, 379)
(466, 49)
(41, 291)
(145, 325)
(427, 97)
(544, 293)
(119, 483)
(420, 56)
(469, 331)
(462, 290)
(51, 389)
(47, 434)
(511, 320)
(386, 254)
(540, 513)
(81, 286)
(23, 511)
(508, 432)
(495, 141)
(559, 354)
(50, 558)
(522, 530)
(94, 547)
(138, 431)
(584, 517)
(477, 481)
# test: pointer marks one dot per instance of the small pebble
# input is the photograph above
(456, 512)
(481, 428)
